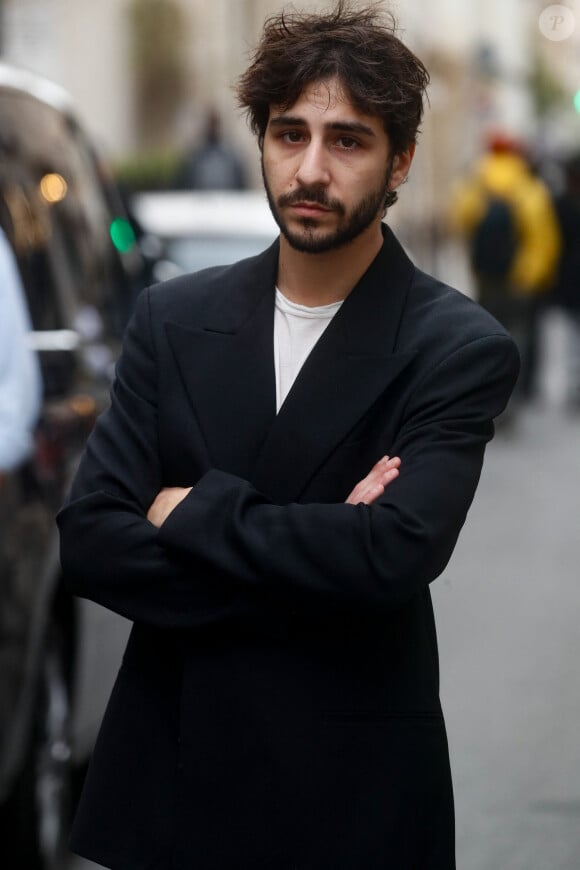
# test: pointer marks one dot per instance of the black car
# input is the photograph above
(81, 269)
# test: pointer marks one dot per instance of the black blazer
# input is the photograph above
(278, 705)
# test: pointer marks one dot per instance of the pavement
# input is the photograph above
(508, 611)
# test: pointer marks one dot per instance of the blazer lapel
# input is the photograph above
(227, 365)
(227, 368)
(350, 366)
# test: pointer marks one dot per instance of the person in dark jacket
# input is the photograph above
(214, 165)
(292, 447)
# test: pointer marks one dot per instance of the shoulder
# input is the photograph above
(439, 321)
(192, 296)
(193, 290)
(434, 309)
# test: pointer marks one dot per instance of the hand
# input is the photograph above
(373, 485)
(164, 502)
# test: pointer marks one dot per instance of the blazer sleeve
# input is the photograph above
(110, 552)
(361, 556)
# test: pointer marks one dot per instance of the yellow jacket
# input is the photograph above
(506, 175)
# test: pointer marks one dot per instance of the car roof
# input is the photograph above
(175, 214)
(16, 79)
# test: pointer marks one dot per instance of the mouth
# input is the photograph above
(309, 209)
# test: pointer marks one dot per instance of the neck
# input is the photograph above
(319, 279)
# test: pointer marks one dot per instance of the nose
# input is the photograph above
(313, 168)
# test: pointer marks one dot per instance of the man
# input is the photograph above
(214, 165)
(278, 702)
(20, 382)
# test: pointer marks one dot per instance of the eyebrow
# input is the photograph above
(339, 126)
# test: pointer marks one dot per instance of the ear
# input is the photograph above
(401, 166)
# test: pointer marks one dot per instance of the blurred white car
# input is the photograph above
(200, 229)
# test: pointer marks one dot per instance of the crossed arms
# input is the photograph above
(366, 491)
(220, 549)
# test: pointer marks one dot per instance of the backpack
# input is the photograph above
(494, 242)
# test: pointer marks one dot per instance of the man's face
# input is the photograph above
(327, 168)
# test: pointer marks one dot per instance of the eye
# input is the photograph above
(292, 136)
(347, 143)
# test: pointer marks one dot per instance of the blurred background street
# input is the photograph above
(129, 164)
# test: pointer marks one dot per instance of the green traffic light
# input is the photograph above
(122, 235)
(577, 101)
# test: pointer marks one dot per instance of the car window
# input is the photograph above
(194, 253)
(54, 210)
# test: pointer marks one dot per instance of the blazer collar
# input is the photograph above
(242, 288)
(226, 363)
(373, 306)
(351, 365)
(228, 370)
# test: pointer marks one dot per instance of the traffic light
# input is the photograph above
(122, 235)
(577, 101)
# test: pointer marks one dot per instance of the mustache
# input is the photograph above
(313, 195)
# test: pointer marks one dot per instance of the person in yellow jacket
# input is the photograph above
(516, 263)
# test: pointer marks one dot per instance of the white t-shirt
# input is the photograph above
(297, 328)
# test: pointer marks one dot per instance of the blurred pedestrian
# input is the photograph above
(506, 212)
(20, 382)
(214, 165)
(566, 293)
(292, 447)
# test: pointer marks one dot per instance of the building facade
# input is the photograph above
(480, 53)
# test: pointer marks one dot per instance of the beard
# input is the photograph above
(311, 239)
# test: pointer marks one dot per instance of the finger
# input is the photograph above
(381, 474)
(384, 464)
(382, 471)
(370, 492)
(374, 490)
(389, 462)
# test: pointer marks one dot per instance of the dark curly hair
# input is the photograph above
(359, 46)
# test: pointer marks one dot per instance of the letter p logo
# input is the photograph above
(557, 22)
